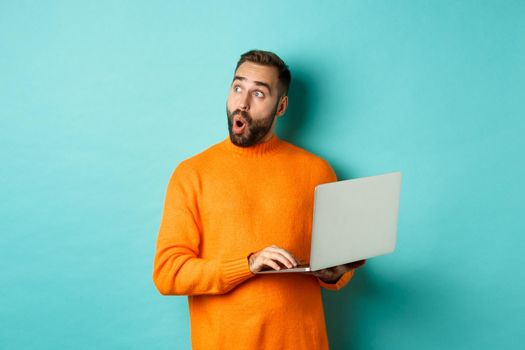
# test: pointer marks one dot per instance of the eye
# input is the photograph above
(258, 94)
(236, 88)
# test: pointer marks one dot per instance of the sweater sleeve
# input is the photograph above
(177, 267)
(341, 282)
(328, 175)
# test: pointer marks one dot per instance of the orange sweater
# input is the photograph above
(220, 206)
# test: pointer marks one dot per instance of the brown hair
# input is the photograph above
(267, 58)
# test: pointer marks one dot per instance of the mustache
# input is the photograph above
(244, 114)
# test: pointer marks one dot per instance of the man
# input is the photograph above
(240, 206)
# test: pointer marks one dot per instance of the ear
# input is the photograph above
(283, 104)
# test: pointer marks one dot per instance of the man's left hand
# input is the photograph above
(332, 274)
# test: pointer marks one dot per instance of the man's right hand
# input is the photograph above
(270, 256)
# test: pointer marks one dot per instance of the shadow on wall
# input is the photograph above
(301, 96)
(307, 102)
(372, 305)
(343, 307)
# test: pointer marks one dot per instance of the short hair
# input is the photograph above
(267, 58)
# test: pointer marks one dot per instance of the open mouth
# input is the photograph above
(238, 125)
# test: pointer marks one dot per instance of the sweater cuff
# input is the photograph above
(343, 280)
(234, 272)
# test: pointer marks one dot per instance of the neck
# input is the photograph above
(267, 145)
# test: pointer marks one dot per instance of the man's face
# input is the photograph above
(252, 104)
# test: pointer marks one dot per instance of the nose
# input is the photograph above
(244, 102)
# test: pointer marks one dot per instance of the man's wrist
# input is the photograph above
(330, 281)
(249, 258)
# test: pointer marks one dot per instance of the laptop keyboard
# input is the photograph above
(283, 267)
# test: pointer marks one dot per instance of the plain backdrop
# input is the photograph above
(100, 100)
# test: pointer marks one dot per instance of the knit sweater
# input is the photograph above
(223, 204)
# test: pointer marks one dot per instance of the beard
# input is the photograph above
(254, 131)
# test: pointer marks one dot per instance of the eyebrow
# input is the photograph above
(259, 83)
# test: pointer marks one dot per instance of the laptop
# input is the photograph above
(352, 220)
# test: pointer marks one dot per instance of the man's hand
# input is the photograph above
(271, 256)
(332, 274)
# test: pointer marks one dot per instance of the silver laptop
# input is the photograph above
(353, 220)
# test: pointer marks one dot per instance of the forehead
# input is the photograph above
(256, 72)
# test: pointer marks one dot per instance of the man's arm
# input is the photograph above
(177, 269)
(337, 277)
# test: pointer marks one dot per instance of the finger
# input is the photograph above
(359, 264)
(340, 269)
(356, 264)
(271, 263)
(322, 273)
(326, 275)
(279, 257)
(285, 253)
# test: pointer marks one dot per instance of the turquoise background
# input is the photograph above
(99, 101)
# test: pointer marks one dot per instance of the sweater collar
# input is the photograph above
(256, 150)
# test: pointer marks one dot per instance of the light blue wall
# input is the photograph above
(99, 101)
